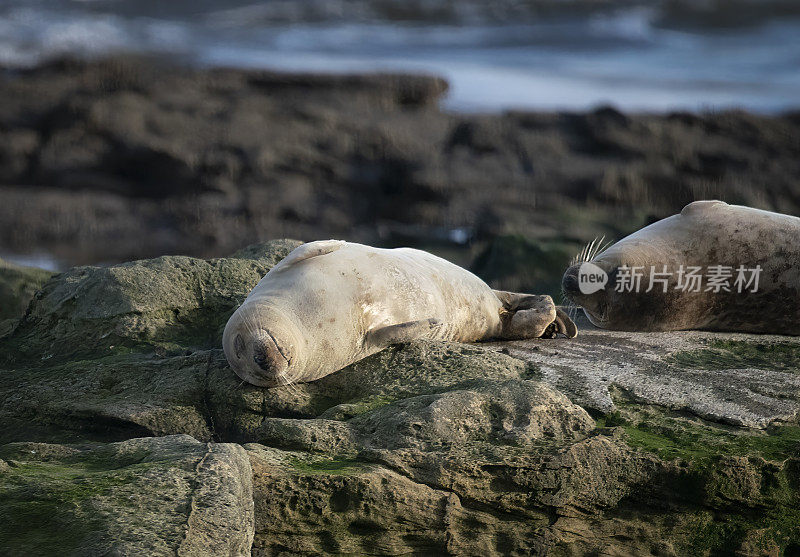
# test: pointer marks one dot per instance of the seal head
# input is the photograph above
(714, 266)
(597, 303)
(610, 308)
(262, 346)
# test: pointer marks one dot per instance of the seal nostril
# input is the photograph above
(267, 354)
(260, 357)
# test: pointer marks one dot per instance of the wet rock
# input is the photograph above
(391, 89)
(123, 159)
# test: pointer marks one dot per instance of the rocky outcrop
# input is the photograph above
(121, 159)
(18, 284)
(153, 496)
(144, 441)
(738, 379)
(167, 302)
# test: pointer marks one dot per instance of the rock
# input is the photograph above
(116, 397)
(154, 496)
(168, 301)
(692, 446)
(740, 379)
(221, 519)
(513, 413)
(598, 496)
(18, 284)
(390, 89)
(133, 394)
(341, 506)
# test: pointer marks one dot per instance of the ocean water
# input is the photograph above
(41, 260)
(649, 55)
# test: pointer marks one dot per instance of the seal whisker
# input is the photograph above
(580, 257)
(291, 387)
(591, 250)
(569, 306)
(572, 311)
(587, 255)
(601, 247)
(245, 321)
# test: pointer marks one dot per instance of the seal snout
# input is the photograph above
(268, 355)
(570, 282)
(259, 356)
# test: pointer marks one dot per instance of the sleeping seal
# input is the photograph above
(330, 303)
(714, 266)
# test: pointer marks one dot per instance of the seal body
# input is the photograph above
(331, 303)
(745, 263)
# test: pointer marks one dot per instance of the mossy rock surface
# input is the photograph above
(743, 483)
(171, 302)
(152, 496)
(736, 354)
(610, 443)
(18, 284)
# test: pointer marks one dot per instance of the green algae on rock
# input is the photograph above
(153, 496)
(170, 302)
(18, 284)
(742, 484)
(427, 447)
(732, 354)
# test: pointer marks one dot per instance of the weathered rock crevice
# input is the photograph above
(692, 446)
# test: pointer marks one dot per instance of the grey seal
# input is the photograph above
(714, 267)
(331, 303)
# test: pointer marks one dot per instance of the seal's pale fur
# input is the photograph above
(331, 303)
(705, 234)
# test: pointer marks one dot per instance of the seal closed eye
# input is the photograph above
(238, 346)
(329, 304)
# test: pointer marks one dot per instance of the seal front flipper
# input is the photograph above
(403, 332)
(309, 250)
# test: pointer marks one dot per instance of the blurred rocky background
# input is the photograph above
(130, 130)
(502, 135)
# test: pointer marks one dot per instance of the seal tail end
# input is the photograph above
(312, 249)
(565, 325)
